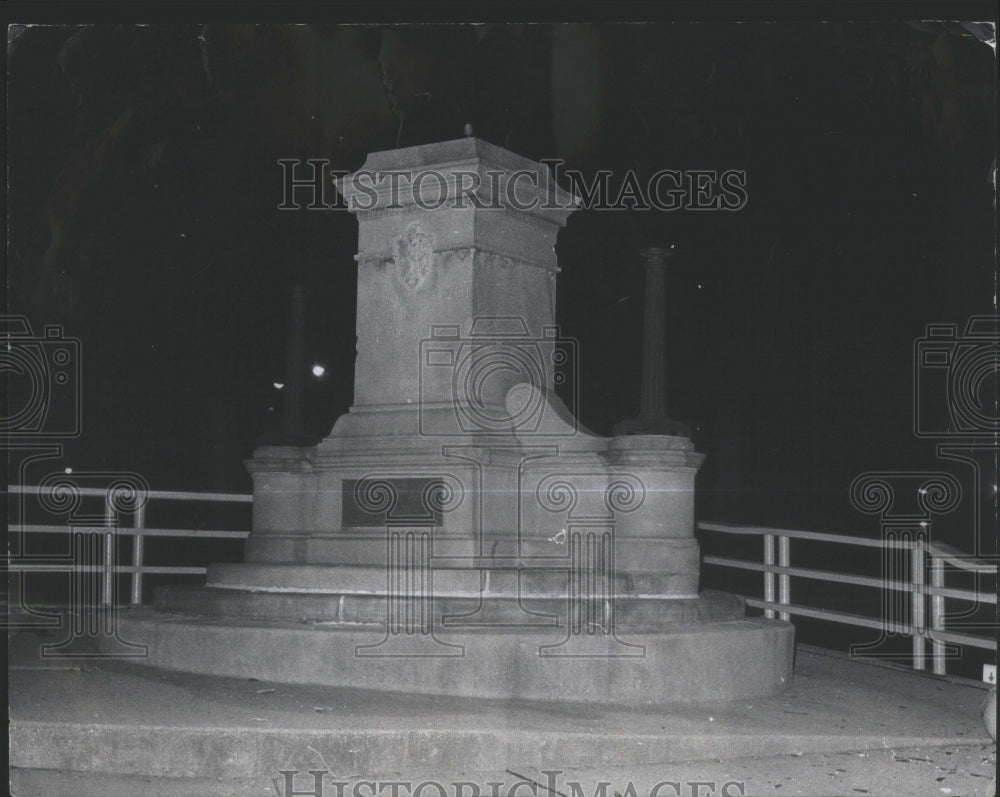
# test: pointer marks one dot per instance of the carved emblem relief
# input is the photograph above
(414, 256)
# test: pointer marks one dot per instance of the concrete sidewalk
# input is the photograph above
(842, 727)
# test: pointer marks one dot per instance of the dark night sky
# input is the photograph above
(143, 187)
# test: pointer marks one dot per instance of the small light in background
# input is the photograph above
(278, 385)
(318, 370)
(68, 470)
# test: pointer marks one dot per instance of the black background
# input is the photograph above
(142, 217)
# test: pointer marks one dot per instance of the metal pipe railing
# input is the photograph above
(769, 573)
(108, 535)
(917, 606)
(784, 579)
(777, 569)
(846, 578)
(927, 621)
(160, 495)
(138, 550)
(937, 616)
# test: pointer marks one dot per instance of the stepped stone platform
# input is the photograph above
(843, 727)
(684, 650)
(304, 592)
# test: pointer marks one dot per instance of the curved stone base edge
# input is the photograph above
(693, 663)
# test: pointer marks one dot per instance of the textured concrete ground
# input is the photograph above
(842, 727)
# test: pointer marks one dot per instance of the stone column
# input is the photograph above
(653, 399)
(652, 418)
(655, 544)
(290, 432)
(291, 409)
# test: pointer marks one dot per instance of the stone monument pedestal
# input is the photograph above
(458, 532)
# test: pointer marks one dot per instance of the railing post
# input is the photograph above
(768, 575)
(138, 542)
(937, 614)
(784, 580)
(917, 625)
(108, 581)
